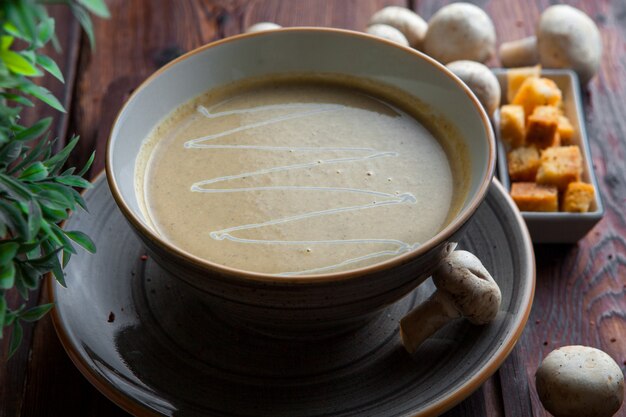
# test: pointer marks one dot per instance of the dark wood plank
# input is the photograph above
(13, 373)
(139, 38)
(580, 288)
(515, 390)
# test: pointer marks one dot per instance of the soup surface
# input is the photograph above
(300, 175)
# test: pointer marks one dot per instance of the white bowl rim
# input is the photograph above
(441, 237)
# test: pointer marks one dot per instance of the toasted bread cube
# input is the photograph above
(523, 163)
(537, 92)
(578, 197)
(512, 123)
(534, 197)
(542, 129)
(566, 130)
(516, 76)
(559, 166)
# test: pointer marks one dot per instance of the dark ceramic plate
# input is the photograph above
(152, 347)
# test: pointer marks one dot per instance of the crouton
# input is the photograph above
(537, 92)
(523, 163)
(512, 122)
(566, 130)
(516, 76)
(559, 166)
(578, 197)
(542, 129)
(534, 197)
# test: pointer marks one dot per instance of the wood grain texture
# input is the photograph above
(138, 39)
(581, 289)
(580, 297)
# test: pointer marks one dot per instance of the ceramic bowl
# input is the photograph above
(308, 304)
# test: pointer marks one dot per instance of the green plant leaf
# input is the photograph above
(52, 214)
(42, 94)
(66, 242)
(3, 311)
(7, 276)
(66, 257)
(87, 165)
(6, 42)
(21, 288)
(8, 250)
(49, 65)
(57, 270)
(10, 152)
(14, 188)
(79, 200)
(35, 217)
(22, 16)
(31, 275)
(97, 7)
(16, 338)
(82, 239)
(18, 64)
(43, 146)
(35, 313)
(45, 226)
(35, 130)
(85, 21)
(56, 200)
(29, 246)
(35, 172)
(12, 217)
(18, 99)
(12, 30)
(45, 31)
(74, 181)
(55, 163)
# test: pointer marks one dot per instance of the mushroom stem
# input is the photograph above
(464, 289)
(519, 53)
(423, 321)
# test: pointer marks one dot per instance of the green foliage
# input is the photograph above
(35, 194)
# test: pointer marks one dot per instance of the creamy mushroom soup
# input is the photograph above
(301, 175)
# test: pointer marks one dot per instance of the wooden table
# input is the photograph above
(581, 289)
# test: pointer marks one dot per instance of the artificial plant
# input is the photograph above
(37, 191)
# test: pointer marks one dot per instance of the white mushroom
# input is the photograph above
(565, 38)
(464, 289)
(481, 81)
(263, 26)
(387, 32)
(460, 31)
(575, 381)
(412, 26)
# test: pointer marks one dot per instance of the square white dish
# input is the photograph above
(557, 227)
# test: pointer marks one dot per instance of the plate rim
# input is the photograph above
(136, 408)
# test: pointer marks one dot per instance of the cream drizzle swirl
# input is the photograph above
(302, 110)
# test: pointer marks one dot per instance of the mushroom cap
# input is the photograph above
(568, 38)
(481, 81)
(460, 31)
(412, 26)
(580, 381)
(263, 26)
(387, 32)
(469, 286)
